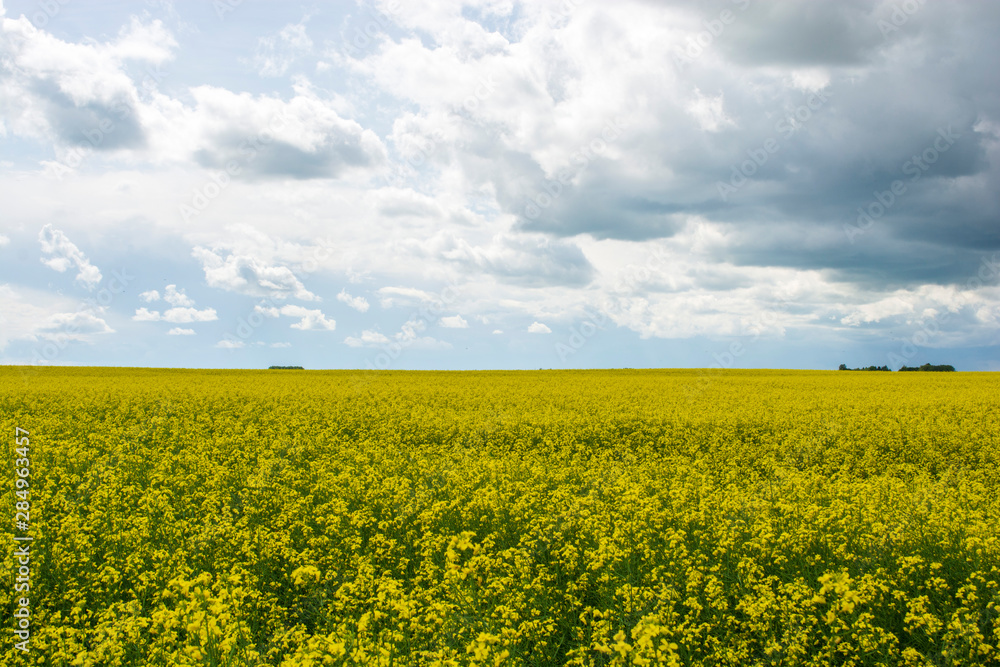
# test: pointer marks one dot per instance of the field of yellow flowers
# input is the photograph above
(197, 517)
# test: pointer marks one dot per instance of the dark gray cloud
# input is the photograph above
(851, 100)
(800, 32)
(102, 126)
(277, 158)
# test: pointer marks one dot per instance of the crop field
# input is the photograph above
(632, 517)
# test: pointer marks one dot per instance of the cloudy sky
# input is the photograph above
(500, 184)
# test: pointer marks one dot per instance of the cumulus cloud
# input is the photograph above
(176, 297)
(175, 315)
(358, 303)
(309, 319)
(31, 315)
(78, 94)
(177, 331)
(65, 254)
(181, 312)
(392, 296)
(538, 327)
(454, 322)
(367, 339)
(302, 138)
(575, 151)
(248, 274)
(4, 240)
(227, 344)
(74, 326)
(146, 315)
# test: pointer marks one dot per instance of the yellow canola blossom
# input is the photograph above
(589, 518)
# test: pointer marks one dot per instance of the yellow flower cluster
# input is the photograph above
(249, 518)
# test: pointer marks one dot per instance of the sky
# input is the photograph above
(495, 184)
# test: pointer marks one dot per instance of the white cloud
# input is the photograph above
(367, 339)
(149, 42)
(176, 297)
(538, 327)
(358, 303)
(247, 274)
(267, 311)
(709, 112)
(4, 240)
(177, 331)
(183, 315)
(897, 304)
(29, 315)
(176, 315)
(497, 331)
(66, 254)
(74, 326)
(230, 344)
(60, 91)
(304, 137)
(150, 296)
(281, 344)
(454, 322)
(390, 296)
(310, 320)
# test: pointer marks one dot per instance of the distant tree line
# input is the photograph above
(929, 367)
(925, 367)
(285, 368)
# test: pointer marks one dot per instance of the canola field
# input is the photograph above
(633, 517)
